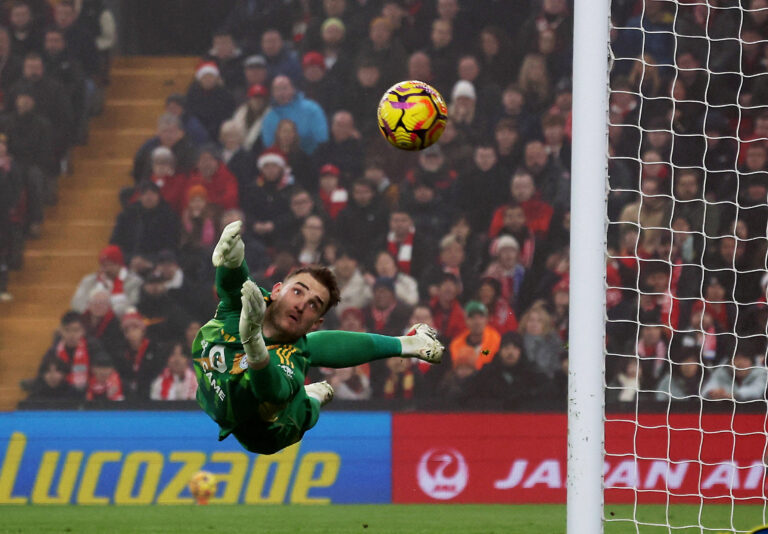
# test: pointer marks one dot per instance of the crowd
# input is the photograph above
(54, 62)
(471, 236)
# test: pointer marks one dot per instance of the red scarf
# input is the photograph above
(139, 356)
(185, 388)
(98, 331)
(79, 364)
(115, 284)
(380, 317)
(112, 389)
(402, 251)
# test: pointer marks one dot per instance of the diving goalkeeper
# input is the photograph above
(252, 357)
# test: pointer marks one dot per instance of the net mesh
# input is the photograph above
(686, 266)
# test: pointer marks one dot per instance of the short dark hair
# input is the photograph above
(326, 277)
(71, 317)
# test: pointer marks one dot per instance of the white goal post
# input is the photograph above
(588, 230)
(668, 339)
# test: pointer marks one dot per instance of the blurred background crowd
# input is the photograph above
(278, 128)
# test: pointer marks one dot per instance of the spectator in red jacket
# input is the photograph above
(104, 383)
(523, 192)
(500, 315)
(172, 184)
(220, 183)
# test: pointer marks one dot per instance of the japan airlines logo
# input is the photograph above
(442, 473)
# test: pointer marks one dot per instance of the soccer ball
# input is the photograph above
(202, 485)
(412, 115)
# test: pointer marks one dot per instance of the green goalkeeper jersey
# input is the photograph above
(268, 409)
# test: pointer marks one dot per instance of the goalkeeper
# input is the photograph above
(252, 357)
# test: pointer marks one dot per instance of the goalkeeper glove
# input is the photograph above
(230, 250)
(251, 319)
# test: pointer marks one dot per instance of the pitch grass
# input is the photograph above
(357, 519)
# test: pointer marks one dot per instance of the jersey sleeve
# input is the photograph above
(337, 349)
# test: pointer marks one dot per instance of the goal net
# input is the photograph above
(687, 213)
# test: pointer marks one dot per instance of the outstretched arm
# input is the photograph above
(231, 269)
(336, 349)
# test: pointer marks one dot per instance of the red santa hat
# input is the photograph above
(207, 67)
(271, 155)
(112, 253)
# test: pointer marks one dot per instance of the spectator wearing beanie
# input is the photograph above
(266, 196)
(506, 268)
(113, 276)
(317, 85)
(172, 185)
(333, 197)
(479, 335)
(208, 100)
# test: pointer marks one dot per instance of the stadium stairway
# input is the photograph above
(79, 225)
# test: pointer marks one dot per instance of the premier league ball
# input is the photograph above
(202, 486)
(412, 115)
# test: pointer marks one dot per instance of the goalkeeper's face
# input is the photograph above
(297, 306)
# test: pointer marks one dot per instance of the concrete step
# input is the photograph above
(114, 143)
(161, 62)
(130, 113)
(145, 83)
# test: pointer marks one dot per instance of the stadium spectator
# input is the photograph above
(509, 380)
(344, 149)
(24, 30)
(480, 190)
(464, 112)
(333, 197)
(113, 276)
(454, 385)
(213, 174)
(482, 338)
(434, 169)
(513, 106)
(350, 383)
(399, 380)
(198, 223)
(363, 221)
(104, 383)
(509, 148)
(240, 161)
(308, 116)
(406, 287)
(141, 361)
(75, 349)
(300, 206)
(385, 50)
(550, 178)
(414, 251)
(388, 191)
(309, 243)
(208, 99)
(500, 315)
(450, 260)
(10, 63)
(338, 60)
(170, 134)
(317, 85)
(11, 189)
(101, 322)
(420, 67)
(249, 20)
(362, 95)
(541, 342)
(135, 228)
(176, 104)
(100, 19)
(355, 292)
(744, 380)
(228, 58)
(30, 144)
(683, 379)
(81, 42)
(301, 166)
(51, 383)
(250, 116)
(625, 386)
(172, 185)
(280, 57)
(266, 196)
(514, 223)
(165, 318)
(447, 313)
(496, 57)
(506, 268)
(70, 75)
(177, 381)
(385, 314)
